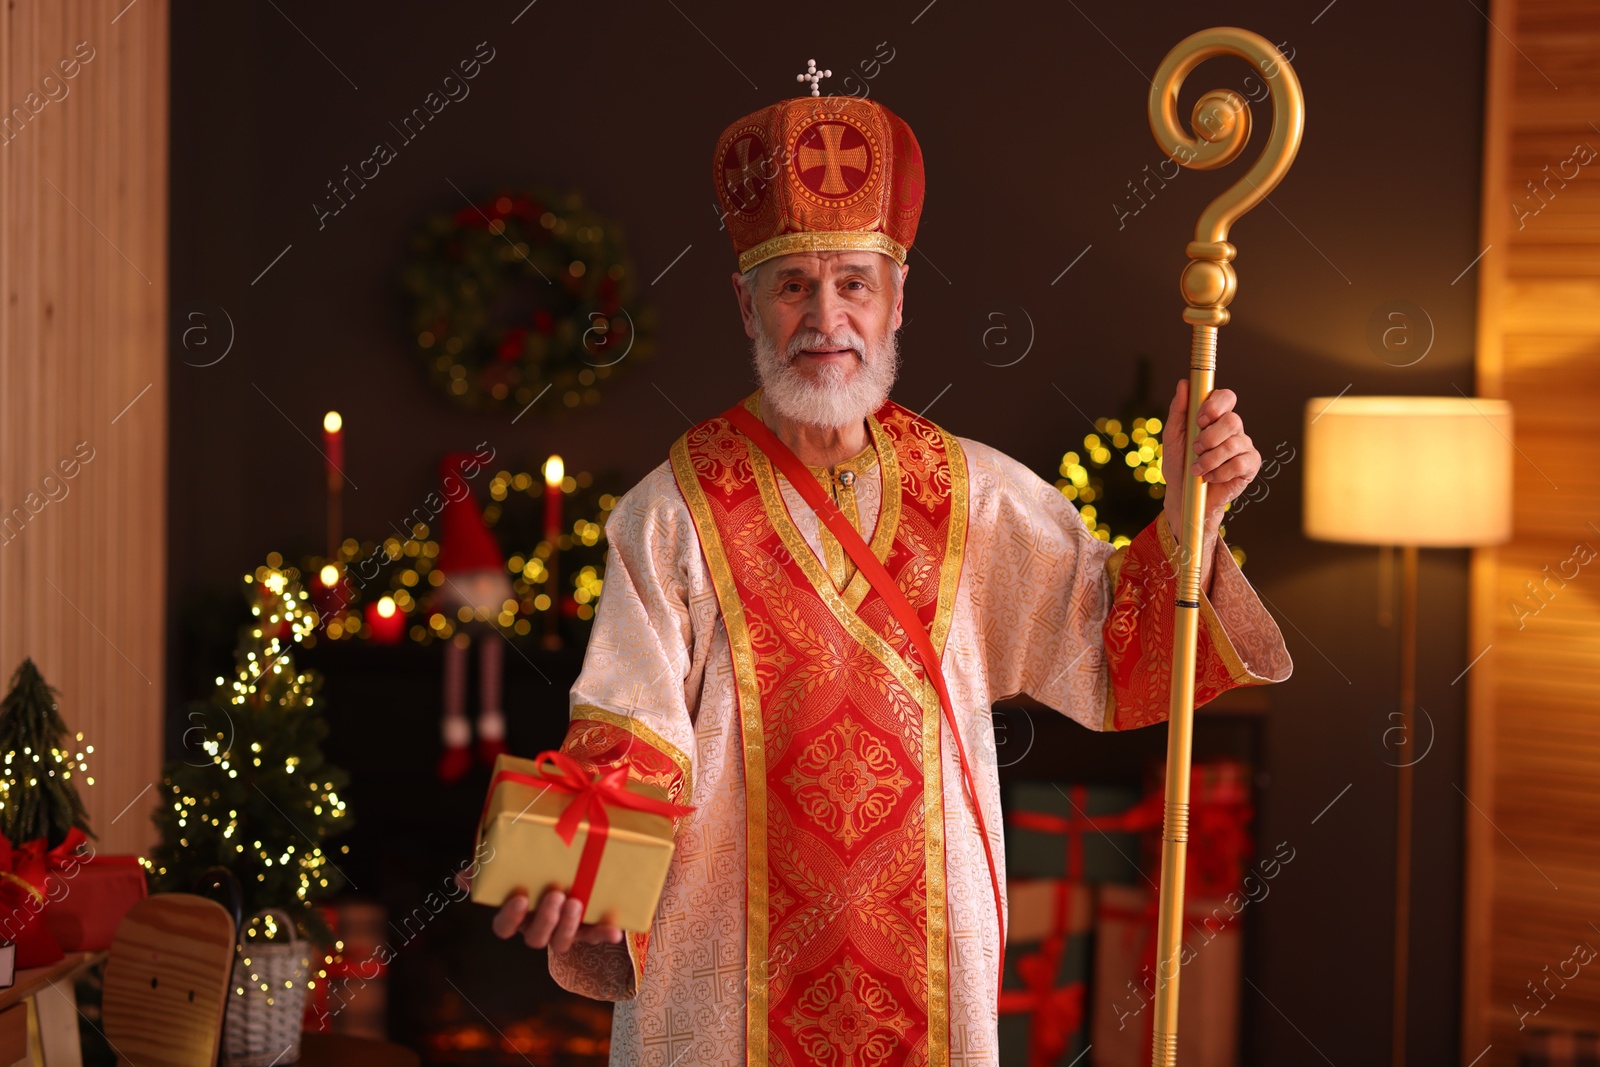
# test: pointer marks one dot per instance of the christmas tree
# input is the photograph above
(256, 796)
(37, 796)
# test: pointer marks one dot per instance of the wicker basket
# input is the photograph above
(268, 998)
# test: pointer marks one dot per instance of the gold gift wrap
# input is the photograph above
(519, 849)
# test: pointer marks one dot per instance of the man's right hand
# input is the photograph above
(556, 923)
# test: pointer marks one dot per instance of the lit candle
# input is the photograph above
(333, 445)
(554, 473)
(385, 621)
(333, 448)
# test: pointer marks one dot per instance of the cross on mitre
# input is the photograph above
(813, 75)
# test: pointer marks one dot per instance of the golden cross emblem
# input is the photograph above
(832, 158)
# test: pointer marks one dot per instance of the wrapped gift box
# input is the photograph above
(1042, 1010)
(1077, 832)
(352, 996)
(1124, 980)
(522, 851)
(88, 898)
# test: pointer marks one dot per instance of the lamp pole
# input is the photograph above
(1402, 862)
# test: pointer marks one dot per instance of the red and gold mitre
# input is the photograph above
(819, 173)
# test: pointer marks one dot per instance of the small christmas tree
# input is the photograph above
(257, 798)
(37, 796)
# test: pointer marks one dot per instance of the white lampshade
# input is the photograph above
(1429, 471)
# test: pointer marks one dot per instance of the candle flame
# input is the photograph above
(554, 471)
(333, 422)
(386, 607)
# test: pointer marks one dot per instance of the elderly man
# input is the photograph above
(837, 894)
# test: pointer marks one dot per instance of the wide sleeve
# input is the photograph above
(1088, 629)
(633, 702)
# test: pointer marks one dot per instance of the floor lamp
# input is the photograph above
(1413, 471)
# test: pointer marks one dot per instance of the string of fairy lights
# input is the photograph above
(404, 607)
(59, 761)
(285, 615)
(1136, 447)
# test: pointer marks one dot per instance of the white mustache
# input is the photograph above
(816, 339)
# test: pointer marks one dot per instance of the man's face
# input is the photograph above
(822, 330)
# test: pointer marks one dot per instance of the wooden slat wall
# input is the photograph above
(83, 269)
(1533, 859)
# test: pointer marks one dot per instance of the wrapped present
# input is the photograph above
(533, 818)
(1125, 980)
(350, 995)
(23, 870)
(1077, 832)
(89, 893)
(1048, 927)
(1220, 844)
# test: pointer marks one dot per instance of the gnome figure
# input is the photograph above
(475, 578)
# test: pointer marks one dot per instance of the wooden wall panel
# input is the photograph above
(83, 269)
(1533, 848)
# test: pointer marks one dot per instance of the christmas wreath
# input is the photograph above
(521, 298)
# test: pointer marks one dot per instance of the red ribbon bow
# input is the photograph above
(591, 795)
(31, 861)
(24, 870)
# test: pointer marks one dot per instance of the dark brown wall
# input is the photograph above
(1032, 119)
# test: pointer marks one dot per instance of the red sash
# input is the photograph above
(847, 938)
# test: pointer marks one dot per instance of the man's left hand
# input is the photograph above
(1222, 454)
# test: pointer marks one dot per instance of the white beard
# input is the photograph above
(836, 397)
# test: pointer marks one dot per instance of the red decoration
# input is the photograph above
(23, 871)
(465, 543)
(1055, 1013)
(89, 896)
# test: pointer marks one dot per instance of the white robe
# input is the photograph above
(1033, 596)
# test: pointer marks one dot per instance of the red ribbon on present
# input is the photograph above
(1143, 816)
(1219, 835)
(591, 796)
(1057, 1013)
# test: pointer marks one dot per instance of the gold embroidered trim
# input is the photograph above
(755, 766)
(1108, 719)
(955, 542)
(933, 858)
(1208, 615)
(638, 944)
(643, 733)
(823, 241)
(833, 552)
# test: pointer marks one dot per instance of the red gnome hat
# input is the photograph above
(465, 543)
